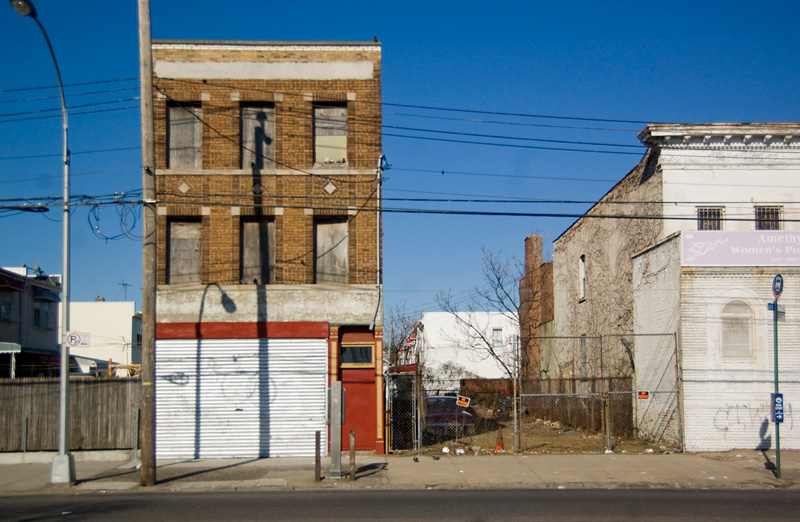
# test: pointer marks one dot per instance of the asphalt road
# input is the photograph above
(439, 505)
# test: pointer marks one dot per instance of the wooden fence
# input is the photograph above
(103, 414)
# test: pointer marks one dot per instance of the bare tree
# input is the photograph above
(498, 294)
(401, 324)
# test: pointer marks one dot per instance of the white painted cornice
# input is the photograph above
(721, 135)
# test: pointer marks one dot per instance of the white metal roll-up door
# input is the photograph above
(221, 398)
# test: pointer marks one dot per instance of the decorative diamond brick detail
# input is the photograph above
(330, 188)
(184, 187)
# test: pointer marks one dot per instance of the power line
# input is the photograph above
(67, 85)
(80, 106)
(95, 151)
(72, 95)
(75, 113)
(516, 176)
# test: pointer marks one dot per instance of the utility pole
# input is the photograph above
(147, 430)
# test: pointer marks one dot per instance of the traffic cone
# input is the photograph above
(498, 446)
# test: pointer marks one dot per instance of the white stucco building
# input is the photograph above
(713, 217)
(461, 345)
(115, 332)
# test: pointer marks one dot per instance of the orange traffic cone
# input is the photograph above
(498, 446)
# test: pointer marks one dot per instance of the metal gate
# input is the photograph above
(239, 397)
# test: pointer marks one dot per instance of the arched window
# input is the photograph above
(737, 329)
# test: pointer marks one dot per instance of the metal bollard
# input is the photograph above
(318, 461)
(352, 455)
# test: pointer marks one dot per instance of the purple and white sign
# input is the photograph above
(757, 248)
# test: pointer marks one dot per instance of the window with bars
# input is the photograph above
(709, 218)
(768, 218)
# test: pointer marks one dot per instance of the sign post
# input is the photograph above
(777, 289)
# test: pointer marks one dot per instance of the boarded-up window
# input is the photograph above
(737, 329)
(258, 252)
(258, 137)
(185, 137)
(330, 250)
(330, 134)
(184, 261)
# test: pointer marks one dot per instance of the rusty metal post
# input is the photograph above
(317, 459)
(352, 454)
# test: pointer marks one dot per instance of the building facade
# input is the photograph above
(29, 323)
(269, 245)
(466, 345)
(711, 219)
(115, 334)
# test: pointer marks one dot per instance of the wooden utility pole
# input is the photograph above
(147, 430)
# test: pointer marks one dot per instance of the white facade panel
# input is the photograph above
(656, 300)
(239, 397)
(727, 399)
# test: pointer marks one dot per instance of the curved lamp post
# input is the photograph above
(63, 470)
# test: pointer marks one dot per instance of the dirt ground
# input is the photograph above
(535, 437)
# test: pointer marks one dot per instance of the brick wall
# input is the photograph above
(294, 191)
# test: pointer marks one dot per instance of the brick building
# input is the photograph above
(535, 308)
(269, 254)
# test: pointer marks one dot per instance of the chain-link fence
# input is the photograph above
(593, 394)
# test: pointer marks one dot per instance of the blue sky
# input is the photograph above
(630, 62)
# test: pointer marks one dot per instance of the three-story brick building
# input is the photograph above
(269, 245)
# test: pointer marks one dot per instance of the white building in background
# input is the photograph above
(466, 345)
(115, 333)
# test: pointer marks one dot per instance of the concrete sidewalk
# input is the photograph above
(113, 471)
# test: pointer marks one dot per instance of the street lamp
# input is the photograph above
(63, 469)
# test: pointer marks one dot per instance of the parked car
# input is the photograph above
(443, 417)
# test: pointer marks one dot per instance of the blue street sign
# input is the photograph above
(777, 286)
(777, 407)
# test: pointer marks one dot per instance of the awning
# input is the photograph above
(10, 348)
(45, 295)
(6, 347)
